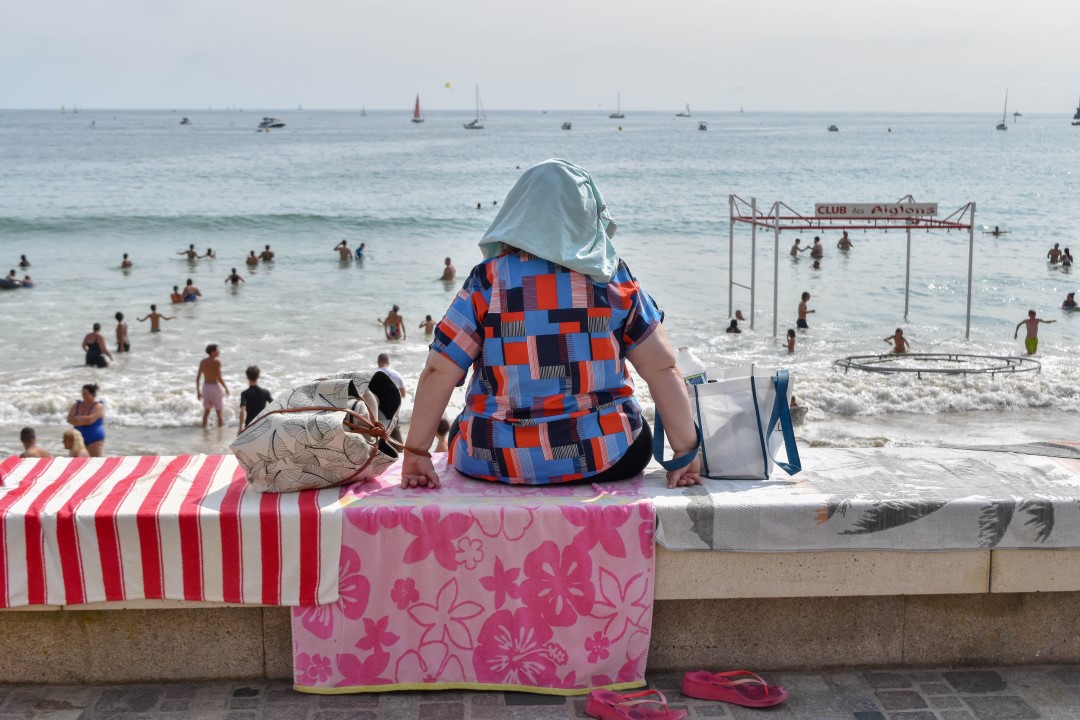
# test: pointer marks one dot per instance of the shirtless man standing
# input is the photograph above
(191, 252)
(1054, 255)
(803, 310)
(267, 255)
(796, 248)
(449, 272)
(252, 259)
(212, 384)
(176, 297)
(125, 263)
(155, 319)
(1031, 342)
(235, 278)
(817, 250)
(845, 242)
(898, 341)
(343, 251)
(123, 345)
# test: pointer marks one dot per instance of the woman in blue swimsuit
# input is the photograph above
(88, 417)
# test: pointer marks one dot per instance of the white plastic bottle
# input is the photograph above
(690, 367)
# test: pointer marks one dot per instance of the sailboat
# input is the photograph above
(481, 118)
(1001, 125)
(1076, 117)
(685, 113)
(617, 115)
(363, 111)
(417, 116)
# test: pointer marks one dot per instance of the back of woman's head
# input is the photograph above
(90, 388)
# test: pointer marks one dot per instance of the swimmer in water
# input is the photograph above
(252, 259)
(191, 293)
(266, 255)
(1031, 342)
(845, 242)
(123, 345)
(428, 325)
(449, 272)
(235, 278)
(899, 342)
(791, 340)
(125, 263)
(394, 325)
(343, 251)
(176, 297)
(191, 253)
(155, 319)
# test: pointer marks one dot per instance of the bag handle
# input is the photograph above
(658, 446)
(359, 425)
(782, 413)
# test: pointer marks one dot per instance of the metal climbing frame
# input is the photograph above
(904, 214)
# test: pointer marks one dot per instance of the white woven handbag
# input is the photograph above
(328, 432)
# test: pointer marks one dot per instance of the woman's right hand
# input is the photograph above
(418, 471)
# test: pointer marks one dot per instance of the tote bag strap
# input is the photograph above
(658, 446)
(782, 413)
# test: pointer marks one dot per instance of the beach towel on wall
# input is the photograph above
(914, 499)
(484, 586)
(79, 530)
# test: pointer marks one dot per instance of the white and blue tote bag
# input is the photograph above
(743, 419)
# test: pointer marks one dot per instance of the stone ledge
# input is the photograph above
(693, 575)
(1056, 570)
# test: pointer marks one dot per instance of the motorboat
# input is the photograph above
(702, 125)
(833, 128)
(271, 122)
(185, 121)
(481, 118)
(567, 125)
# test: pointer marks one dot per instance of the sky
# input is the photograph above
(764, 55)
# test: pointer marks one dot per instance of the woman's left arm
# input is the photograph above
(437, 382)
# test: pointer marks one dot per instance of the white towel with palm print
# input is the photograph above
(913, 498)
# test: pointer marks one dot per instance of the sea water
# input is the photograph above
(78, 191)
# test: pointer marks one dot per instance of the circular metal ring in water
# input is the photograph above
(939, 364)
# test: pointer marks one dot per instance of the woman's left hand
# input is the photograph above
(418, 471)
(685, 476)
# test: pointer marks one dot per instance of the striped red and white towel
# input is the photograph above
(180, 528)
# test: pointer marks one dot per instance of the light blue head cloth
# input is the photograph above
(555, 212)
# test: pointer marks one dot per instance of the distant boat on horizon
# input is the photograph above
(1076, 116)
(481, 118)
(363, 111)
(685, 113)
(1001, 125)
(417, 116)
(618, 114)
(833, 128)
(702, 125)
(270, 122)
(567, 125)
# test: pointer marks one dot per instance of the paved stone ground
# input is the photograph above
(1016, 693)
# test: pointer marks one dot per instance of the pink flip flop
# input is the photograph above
(609, 705)
(738, 687)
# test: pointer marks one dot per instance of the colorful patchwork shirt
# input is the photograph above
(550, 399)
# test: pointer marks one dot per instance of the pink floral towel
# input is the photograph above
(484, 586)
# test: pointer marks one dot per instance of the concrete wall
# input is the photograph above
(202, 643)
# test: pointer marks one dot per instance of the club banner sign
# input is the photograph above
(873, 211)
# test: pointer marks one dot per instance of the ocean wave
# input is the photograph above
(272, 222)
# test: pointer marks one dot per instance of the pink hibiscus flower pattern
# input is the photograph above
(353, 590)
(502, 582)
(597, 647)
(559, 587)
(434, 534)
(447, 617)
(433, 662)
(516, 649)
(469, 552)
(312, 669)
(404, 593)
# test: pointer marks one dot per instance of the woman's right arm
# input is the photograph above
(437, 382)
(654, 360)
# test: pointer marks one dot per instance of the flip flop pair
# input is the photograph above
(738, 687)
(644, 705)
